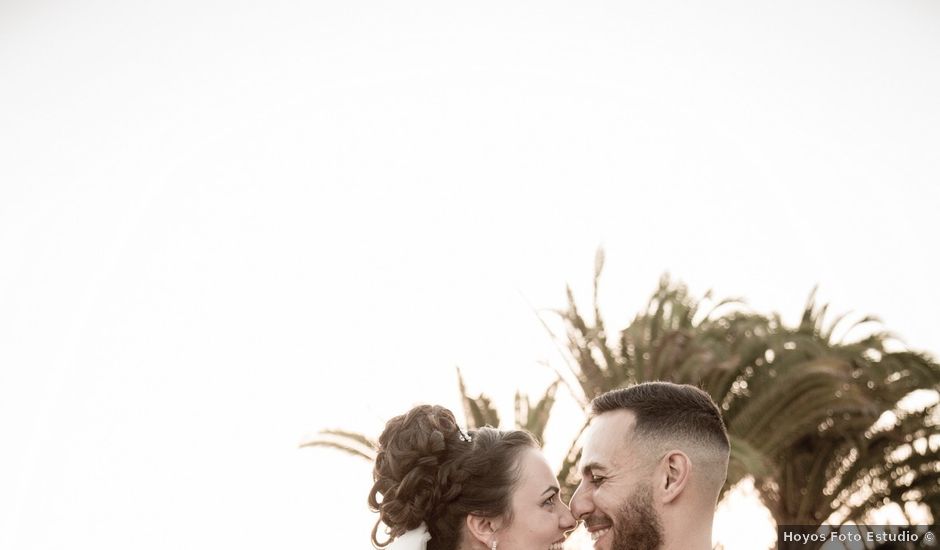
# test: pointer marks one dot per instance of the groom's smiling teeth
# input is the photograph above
(599, 533)
(557, 546)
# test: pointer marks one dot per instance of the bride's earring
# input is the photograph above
(493, 546)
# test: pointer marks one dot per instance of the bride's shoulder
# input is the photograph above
(416, 539)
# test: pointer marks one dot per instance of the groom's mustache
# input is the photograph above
(596, 521)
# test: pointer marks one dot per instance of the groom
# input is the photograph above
(654, 460)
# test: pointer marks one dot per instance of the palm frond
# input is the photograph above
(353, 443)
(534, 418)
(479, 411)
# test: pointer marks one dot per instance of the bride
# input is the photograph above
(439, 488)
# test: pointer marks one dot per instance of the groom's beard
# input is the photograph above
(638, 526)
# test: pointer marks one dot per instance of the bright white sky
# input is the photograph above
(224, 226)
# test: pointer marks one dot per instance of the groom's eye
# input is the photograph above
(597, 480)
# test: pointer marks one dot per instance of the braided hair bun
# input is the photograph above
(428, 471)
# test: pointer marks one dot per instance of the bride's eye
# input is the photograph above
(550, 500)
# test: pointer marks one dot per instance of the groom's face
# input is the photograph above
(615, 497)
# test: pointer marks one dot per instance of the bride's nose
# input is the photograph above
(567, 521)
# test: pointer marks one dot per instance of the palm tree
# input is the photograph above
(802, 404)
(813, 416)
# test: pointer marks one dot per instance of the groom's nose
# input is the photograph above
(581, 504)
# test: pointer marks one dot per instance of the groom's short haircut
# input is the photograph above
(672, 411)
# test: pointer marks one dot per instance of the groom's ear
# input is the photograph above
(483, 529)
(678, 470)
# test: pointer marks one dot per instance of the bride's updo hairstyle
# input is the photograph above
(427, 470)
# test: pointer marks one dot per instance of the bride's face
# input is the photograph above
(540, 520)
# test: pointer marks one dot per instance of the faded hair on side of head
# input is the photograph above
(678, 412)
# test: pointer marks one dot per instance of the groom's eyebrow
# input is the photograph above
(591, 467)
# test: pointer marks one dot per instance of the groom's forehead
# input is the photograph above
(607, 436)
